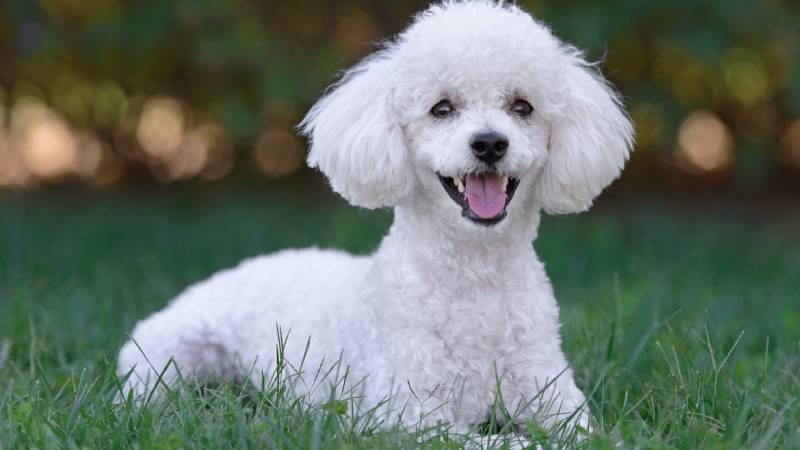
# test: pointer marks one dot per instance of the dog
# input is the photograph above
(469, 124)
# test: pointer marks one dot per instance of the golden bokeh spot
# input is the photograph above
(191, 158)
(705, 145)
(277, 152)
(90, 155)
(45, 141)
(220, 152)
(790, 143)
(193, 155)
(161, 128)
(205, 151)
(745, 76)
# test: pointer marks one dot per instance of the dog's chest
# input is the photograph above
(467, 323)
(462, 319)
(467, 310)
(464, 344)
(481, 322)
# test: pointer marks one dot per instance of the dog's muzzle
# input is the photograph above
(483, 197)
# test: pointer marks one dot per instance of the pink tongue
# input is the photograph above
(485, 195)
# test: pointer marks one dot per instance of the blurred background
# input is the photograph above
(103, 94)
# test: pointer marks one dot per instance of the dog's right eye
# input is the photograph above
(443, 109)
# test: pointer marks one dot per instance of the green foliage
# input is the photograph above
(682, 328)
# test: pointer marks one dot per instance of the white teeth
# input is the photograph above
(505, 183)
(459, 184)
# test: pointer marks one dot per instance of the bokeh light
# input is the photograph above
(745, 76)
(277, 152)
(219, 151)
(705, 144)
(46, 143)
(90, 156)
(200, 148)
(161, 127)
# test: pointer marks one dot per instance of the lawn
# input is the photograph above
(683, 325)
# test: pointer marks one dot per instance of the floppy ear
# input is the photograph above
(356, 140)
(589, 144)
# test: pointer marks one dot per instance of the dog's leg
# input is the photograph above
(175, 343)
(548, 398)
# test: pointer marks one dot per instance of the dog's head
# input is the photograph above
(476, 111)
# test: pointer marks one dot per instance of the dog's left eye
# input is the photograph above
(443, 109)
(521, 108)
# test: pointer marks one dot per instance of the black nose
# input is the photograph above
(489, 146)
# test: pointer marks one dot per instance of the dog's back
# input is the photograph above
(291, 293)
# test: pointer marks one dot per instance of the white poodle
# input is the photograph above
(468, 124)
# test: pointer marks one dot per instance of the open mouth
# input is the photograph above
(483, 197)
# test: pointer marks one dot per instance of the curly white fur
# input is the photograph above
(447, 314)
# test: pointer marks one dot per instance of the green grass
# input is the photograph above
(683, 326)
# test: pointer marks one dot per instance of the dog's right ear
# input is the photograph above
(356, 140)
(589, 145)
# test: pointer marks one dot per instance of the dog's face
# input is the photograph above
(472, 150)
(477, 115)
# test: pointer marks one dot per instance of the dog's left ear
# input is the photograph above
(356, 140)
(589, 144)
